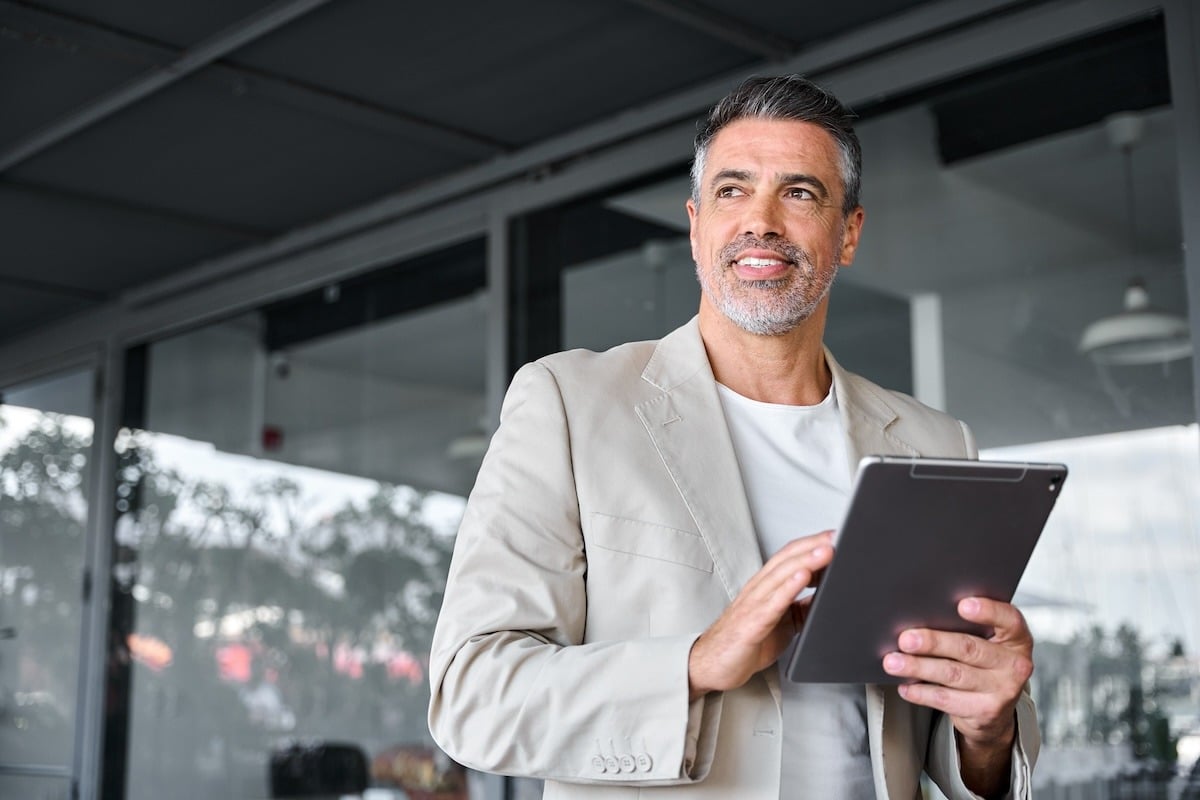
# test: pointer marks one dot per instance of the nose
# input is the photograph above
(764, 217)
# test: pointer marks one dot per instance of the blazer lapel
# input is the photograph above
(866, 418)
(687, 424)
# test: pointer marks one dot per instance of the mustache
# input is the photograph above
(789, 250)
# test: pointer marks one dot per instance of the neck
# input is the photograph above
(788, 369)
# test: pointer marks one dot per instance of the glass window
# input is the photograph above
(1021, 205)
(602, 271)
(290, 483)
(1007, 213)
(45, 444)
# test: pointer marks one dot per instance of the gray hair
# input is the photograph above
(786, 97)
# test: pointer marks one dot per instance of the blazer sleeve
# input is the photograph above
(943, 764)
(515, 686)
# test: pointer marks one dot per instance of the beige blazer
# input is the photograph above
(607, 528)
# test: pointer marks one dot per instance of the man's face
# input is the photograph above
(768, 233)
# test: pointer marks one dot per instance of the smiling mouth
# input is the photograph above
(762, 263)
(762, 259)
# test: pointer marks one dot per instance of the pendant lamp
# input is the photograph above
(1140, 333)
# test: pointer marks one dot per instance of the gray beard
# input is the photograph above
(766, 318)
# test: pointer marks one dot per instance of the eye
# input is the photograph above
(800, 193)
(729, 191)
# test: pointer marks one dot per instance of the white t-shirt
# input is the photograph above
(794, 466)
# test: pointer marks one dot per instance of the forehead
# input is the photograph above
(770, 146)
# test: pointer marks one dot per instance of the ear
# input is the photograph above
(693, 234)
(852, 230)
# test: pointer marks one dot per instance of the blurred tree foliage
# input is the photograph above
(334, 614)
(1123, 706)
(43, 514)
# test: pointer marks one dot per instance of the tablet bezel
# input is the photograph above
(863, 602)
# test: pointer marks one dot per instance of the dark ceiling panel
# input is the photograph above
(182, 24)
(90, 250)
(47, 72)
(1058, 90)
(100, 52)
(362, 98)
(1063, 88)
(449, 273)
(215, 149)
(23, 310)
(808, 23)
(519, 71)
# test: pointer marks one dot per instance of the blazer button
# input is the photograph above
(644, 763)
(627, 764)
(598, 763)
(611, 765)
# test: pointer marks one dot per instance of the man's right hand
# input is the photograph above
(761, 621)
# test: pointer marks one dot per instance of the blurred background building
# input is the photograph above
(266, 269)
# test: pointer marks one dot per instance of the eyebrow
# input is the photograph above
(811, 180)
(782, 178)
(731, 175)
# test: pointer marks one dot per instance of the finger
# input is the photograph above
(778, 591)
(937, 671)
(766, 597)
(1005, 619)
(782, 568)
(803, 543)
(951, 701)
(962, 647)
(810, 552)
(759, 607)
(961, 660)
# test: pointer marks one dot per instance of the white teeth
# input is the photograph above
(760, 262)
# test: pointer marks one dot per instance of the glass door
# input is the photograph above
(45, 440)
(289, 484)
(1032, 240)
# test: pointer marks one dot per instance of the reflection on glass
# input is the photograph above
(286, 519)
(1021, 249)
(1110, 595)
(44, 444)
(22, 786)
(635, 294)
(275, 602)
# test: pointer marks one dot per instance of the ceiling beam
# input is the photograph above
(896, 33)
(934, 41)
(361, 113)
(247, 30)
(57, 289)
(251, 233)
(78, 35)
(730, 30)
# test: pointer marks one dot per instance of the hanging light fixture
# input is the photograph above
(1139, 334)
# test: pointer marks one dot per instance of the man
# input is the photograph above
(626, 573)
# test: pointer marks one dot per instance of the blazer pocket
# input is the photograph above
(648, 540)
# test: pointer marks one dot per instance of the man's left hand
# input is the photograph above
(975, 681)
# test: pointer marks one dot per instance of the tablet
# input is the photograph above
(919, 535)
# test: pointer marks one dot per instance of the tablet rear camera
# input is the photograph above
(1053, 484)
